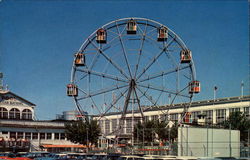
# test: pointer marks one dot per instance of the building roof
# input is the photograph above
(193, 104)
(2, 93)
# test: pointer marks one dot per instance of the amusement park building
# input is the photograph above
(215, 110)
(19, 131)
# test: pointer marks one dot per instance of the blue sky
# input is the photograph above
(39, 37)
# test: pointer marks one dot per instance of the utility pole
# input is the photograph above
(242, 89)
(215, 89)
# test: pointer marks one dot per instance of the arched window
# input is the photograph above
(27, 114)
(3, 113)
(14, 114)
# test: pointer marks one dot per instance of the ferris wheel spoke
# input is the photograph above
(175, 96)
(110, 31)
(154, 59)
(152, 30)
(169, 56)
(163, 73)
(123, 29)
(166, 45)
(139, 105)
(113, 104)
(93, 102)
(162, 89)
(91, 66)
(140, 50)
(102, 74)
(124, 52)
(111, 41)
(80, 110)
(102, 91)
(110, 60)
(151, 100)
(153, 41)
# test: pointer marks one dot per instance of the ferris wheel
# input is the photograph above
(132, 64)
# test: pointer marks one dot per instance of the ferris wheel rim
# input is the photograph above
(144, 19)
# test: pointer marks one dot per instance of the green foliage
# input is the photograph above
(162, 130)
(151, 130)
(238, 121)
(83, 132)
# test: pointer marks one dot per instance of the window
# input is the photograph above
(19, 135)
(174, 117)
(122, 127)
(34, 135)
(27, 135)
(247, 111)
(57, 136)
(129, 126)
(155, 117)
(14, 113)
(3, 113)
(42, 135)
(49, 136)
(220, 115)
(209, 116)
(27, 114)
(194, 116)
(107, 127)
(146, 118)
(101, 126)
(114, 124)
(13, 135)
(164, 117)
(62, 136)
(231, 110)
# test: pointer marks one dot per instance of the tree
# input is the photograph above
(174, 132)
(145, 131)
(83, 132)
(162, 130)
(148, 130)
(238, 121)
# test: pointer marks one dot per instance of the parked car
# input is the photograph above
(130, 157)
(34, 155)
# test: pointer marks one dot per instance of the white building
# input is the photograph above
(208, 142)
(20, 132)
(216, 111)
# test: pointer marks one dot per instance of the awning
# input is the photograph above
(63, 146)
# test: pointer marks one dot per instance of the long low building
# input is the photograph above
(215, 110)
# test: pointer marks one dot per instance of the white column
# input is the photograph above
(227, 113)
(52, 136)
(214, 116)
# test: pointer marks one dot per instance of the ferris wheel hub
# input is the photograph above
(132, 83)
